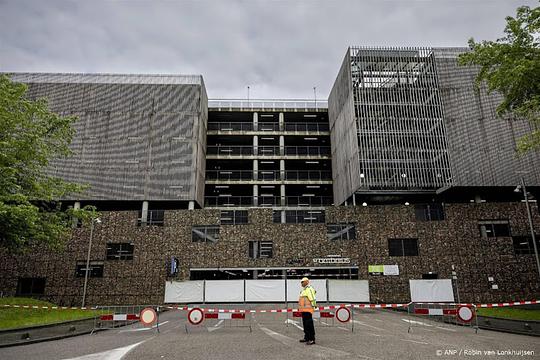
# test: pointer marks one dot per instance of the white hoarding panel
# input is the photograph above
(184, 292)
(439, 290)
(348, 290)
(294, 287)
(265, 290)
(223, 291)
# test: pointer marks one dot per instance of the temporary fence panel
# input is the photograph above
(265, 290)
(223, 291)
(439, 290)
(294, 287)
(184, 292)
(348, 291)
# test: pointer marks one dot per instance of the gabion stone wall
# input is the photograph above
(453, 241)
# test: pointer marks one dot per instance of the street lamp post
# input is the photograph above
(531, 227)
(87, 269)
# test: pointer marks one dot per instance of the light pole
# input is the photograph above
(87, 269)
(519, 188)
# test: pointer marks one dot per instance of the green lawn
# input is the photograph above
(515, 313)
(16, 317)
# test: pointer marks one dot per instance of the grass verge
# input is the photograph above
(514, 313)
(12, 318)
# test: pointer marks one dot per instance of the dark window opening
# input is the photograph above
(31, 286)
(96, 269)
(155, 218)
(120, 251)
(430, 276)
(205, 233)
(341, 232)
(260, 249)
(494, 228)
(234, 217)
(429, 212)
(300, 216)
(403, 247)
(523, 245)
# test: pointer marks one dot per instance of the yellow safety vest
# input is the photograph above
(306, 301)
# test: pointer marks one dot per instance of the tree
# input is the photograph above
(30, 137)
(511, 66)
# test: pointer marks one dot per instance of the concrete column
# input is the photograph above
(282, 194)
(282, 169)
(255, 169)
(255, 121)
(283, 217)
(477, 199)
(191, 205)
(76, 206)
(255, 144)
(354, 199)
(281, 122)
(281, 145)
(144, 215)
(255, 195)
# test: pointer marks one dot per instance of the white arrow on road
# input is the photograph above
(114, 354)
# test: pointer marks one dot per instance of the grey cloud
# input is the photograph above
(280, 48)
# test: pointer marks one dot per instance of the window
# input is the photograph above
(31, 286)
(205, 233)
(260, 249)
(430, 275)
(403, 247)
(300, 216)
(341, 232)
(234, 217)
(429, 212)
(96, 269)
(523, 245)
(120, 251)
(155, 218)
(494, 228)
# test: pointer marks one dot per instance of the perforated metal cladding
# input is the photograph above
(481, 144)
(343, 129)
(133, 141)
(401, 134)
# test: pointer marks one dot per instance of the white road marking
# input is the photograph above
(295, 323)
(379, 320)
(145, 328)
(367, 325)
(114, 354)
(317, 350)
(414, 341)
(415, 322)
(443, 328)
(216, 327)
(342, 328)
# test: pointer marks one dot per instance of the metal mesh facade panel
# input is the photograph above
(401, 133)
(137, 138)
(481, 144)
(421, 125)
(343, 139)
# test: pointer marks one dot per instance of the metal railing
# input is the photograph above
(306, 127)
(268, 175)
(269, 150)
(232, 201)
(267, 104)
(307, 150)
(268, 126)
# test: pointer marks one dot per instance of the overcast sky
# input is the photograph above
(282, 49)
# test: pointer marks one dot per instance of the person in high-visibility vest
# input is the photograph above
(306, 305)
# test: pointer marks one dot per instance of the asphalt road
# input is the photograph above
(378, 334)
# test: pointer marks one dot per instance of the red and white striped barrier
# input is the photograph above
(328, 307)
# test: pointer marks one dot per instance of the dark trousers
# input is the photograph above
(309, 329)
